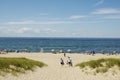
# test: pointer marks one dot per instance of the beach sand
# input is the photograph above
(54, 71)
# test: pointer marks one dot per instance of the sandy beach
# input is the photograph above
(54, 71)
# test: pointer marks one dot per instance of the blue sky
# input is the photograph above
(60, 18)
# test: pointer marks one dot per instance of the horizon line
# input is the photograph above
(66, 37)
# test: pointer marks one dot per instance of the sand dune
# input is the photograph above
(55, 71)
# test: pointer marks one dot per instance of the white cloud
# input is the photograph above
(22, 22)
(48, 22)
(51, 22)
(77, 17)
(112, 17)
(107, 11)
(27, 31)
(99, 2)
(23, 30)
(13, 30)
(40, 22)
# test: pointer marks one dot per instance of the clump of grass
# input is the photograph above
(102, 70)
(101, 65)
(91, 64)
(18, 65)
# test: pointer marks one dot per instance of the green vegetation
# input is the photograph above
(101, 65)
(18, 65)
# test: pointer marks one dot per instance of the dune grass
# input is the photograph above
(101, 65)
(18, 65)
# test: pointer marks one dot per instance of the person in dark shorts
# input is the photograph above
(61, 61)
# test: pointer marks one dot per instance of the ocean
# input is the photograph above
(76, 45)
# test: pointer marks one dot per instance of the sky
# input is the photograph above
(60, 18)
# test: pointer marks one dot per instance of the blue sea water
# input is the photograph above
(75, 44)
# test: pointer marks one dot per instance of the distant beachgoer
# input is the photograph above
(69, 61)
(0, 51)
(17, 51)
(64, 54)
(114, 52)
(61, 61)
(61, 51)
(92, 52)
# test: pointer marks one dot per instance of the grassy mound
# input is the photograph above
(18, 65)
(101, 65)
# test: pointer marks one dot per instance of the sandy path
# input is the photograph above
(55, 71)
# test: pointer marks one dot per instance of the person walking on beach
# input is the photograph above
(64, 54)
(69, 61)
(61, 61)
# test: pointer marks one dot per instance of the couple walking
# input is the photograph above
(69, 61)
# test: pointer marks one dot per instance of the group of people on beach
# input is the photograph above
(4, 51)
(69, 61)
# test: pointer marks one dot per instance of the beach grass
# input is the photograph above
(18, 65)
(101, 65)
